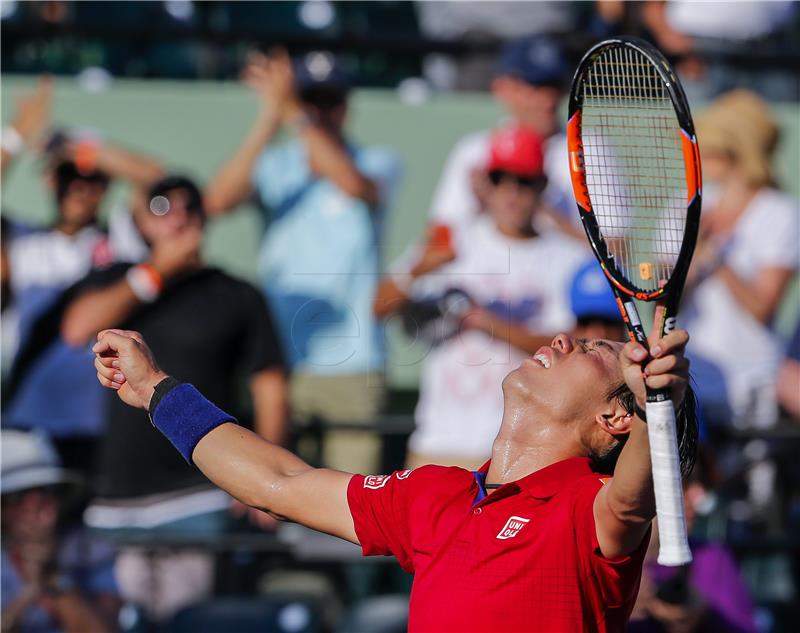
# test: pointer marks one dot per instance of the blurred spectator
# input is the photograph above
(500, 20)
(746, 256)
(708, 595)
(54, 578)
(319, 258)
(689, 29)
(789, 377)
(594, 305)
(502, 291)
(42, 263)
(482, 22)
(214, 332)
(30, 118)
(677, 24)
(528, 85)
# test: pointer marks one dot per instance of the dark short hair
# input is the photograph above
(67, 172)
(687, 428)
(175, 181)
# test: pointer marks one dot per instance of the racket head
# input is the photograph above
(635, 168)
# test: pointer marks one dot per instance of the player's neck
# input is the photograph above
(513, 459)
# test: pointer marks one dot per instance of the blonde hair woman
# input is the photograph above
(748, 252)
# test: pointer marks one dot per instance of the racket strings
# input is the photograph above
(634, 165)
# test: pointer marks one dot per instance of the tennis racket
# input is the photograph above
(635, 171)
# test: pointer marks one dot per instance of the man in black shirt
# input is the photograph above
(177, 302)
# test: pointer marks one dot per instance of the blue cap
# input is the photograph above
(538, 60)
(590, 294)
(319, 70)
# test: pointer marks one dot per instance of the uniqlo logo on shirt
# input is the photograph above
(512, 527)
(375, 482)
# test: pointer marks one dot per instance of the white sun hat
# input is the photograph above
(30, 461)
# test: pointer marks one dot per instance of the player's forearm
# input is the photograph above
(232, 183)
(98, 310)
(630, 493)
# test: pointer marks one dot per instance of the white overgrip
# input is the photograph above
(661, 429)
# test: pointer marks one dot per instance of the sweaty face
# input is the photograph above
(570, 379)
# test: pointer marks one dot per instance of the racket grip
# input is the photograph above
(661, 429)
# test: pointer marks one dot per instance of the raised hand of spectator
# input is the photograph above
(272, 78)
(33, 111)
(437, 251)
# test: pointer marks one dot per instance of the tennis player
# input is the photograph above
(538, 539)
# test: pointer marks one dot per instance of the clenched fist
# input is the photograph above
(125, 363)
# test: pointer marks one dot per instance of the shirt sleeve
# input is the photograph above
(617, 579)
(773, 243)
(261, 348)
(380, 507)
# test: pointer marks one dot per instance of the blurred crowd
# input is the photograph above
(105, 527)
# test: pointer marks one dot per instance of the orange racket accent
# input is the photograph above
(691, 159)
(621, 309)
(577, 168)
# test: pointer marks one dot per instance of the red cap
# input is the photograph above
(517, 150)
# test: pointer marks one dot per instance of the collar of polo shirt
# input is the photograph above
(547, 481)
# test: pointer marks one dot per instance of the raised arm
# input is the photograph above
(31, 116)
(232, 184)
(624, 508)
(329, 158)
(392, 294)
(255, 471)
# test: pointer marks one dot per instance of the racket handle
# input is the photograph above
(674, 544)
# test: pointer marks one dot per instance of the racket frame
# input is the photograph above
(674, 549)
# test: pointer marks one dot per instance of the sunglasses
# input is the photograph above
(498, 176)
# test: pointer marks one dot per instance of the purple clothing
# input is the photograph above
(714, 575)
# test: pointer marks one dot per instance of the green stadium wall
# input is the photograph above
(193, 126)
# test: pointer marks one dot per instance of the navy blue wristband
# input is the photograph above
(184, 416)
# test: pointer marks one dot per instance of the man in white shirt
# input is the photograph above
(503, 290)
(528, 84)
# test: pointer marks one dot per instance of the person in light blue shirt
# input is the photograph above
(325, 199)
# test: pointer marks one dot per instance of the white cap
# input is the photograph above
(30, 461)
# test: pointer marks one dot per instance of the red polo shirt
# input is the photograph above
(524, 558)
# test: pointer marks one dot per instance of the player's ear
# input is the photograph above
(614, 419)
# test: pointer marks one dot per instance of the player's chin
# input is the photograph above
(521, 380)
